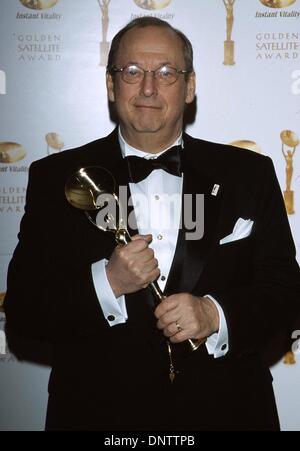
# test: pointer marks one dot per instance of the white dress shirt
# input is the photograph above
(157, 205)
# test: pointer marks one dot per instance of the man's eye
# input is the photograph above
(132, 71)
(165, 72)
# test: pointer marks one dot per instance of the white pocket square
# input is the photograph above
(242, 229)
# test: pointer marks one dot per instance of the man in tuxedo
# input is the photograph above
(236, 285)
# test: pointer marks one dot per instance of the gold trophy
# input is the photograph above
(92, 189)
(104, 45)
(54, 141)
(11, 152)
(229, 44)
(291, 140)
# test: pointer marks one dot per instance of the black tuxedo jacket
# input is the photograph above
(117, 377)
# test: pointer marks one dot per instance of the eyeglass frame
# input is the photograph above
(121, 71)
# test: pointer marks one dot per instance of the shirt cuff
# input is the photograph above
(114, 309)
(218, 344)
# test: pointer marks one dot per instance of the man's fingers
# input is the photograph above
(171, 330)
(146, 255)
(147, 237)
(136, 246)
(139, 243)
(168, 319)
(154, 275)
(151, 277)
(151, 266)
(179, 337)
(166, 306)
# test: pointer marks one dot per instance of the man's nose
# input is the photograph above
(148, 86)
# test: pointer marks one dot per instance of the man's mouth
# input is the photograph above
(149, 107)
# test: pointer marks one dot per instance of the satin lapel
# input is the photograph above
(191, 254)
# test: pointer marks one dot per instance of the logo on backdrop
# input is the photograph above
(229, 43)
(277, 46)
(280, 6)
(152, 4)
(277, 3)
(12, 198)
(283, 44)
(37, 47)
(290, 141)
(34, 46)
(104, 44)
(39, 4)
(54, 143)
(245, 144)
(11, 152)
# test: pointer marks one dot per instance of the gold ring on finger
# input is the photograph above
(179, 328)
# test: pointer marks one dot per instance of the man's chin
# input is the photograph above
(147, 128)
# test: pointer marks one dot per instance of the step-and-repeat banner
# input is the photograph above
(52, 97)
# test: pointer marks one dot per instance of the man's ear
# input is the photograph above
(191, 88)
(110, 87)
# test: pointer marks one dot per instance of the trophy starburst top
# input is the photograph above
(289, 138)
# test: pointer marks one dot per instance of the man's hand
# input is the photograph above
(133, 266)
(183, 316)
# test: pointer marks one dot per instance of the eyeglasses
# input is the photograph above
(164, 75)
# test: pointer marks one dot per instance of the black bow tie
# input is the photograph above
(139, 168)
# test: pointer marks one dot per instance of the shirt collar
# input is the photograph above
(128, 150)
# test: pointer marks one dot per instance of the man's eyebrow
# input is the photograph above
(136, 63)
(166, 63)
(131, 63)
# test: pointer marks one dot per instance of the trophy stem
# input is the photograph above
(229, 53)
(104, 50)
(289, 202)
(158, 294)
(122, 237)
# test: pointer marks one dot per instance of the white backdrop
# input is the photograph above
(52, 97)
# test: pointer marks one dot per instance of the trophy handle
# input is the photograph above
(122, 237)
